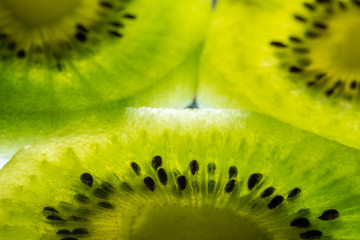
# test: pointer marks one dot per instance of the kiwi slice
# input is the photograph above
(190, 174)
(57, 55)
(294, 60)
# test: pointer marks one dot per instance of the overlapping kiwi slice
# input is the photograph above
(195, 174)
(57, 55)
(295, 60)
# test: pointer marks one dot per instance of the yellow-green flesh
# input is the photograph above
(114, 62)
(242, 68)
(48, 175)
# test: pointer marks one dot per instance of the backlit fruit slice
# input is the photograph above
(72, 54)
(297, 61)
(23, 128)
(187, 174)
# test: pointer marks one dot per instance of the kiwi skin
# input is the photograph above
(104, 68)
(125, 153)
(240, 67)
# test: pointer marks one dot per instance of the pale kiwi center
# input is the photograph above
(340, 53)
(40, 12)
(178, 223)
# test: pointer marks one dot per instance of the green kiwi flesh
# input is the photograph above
(183, 174)
(294, 60)
(18, 129)
(57, 55)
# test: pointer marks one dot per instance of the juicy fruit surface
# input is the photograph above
(294, 61)
(18, 129)
(87, 53)
(90, 185)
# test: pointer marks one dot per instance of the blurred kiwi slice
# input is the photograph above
(195, 174)
(297, 61)
(57, 55)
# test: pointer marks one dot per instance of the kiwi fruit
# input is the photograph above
(294, 60)
(183, 174)
(22, 128)
(60, 55)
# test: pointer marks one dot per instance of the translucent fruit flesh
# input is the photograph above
(295, 61)
(76, 54)
(290, 184)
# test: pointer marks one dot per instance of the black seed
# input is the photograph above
(78, 219)
(81, 198)
(50, 209)
(54, 217)
(342, 5)
(294, 193)
(115, 34)
(353, 84)
(81, 37)
(211, 186)
(233, 172)
(69, 238)
(330, 92)
(300, 222)
(275, 202)
(117, 24)
(21, 54)
(230, 186)
(310, 84)
(254, 180)
(320, 25)
(300, 18)
(162, 175)
(320, 76)
(156, 162)
(294, 69)
(194, 167)
(3, 36)
(87, 179)
(278, 44)
(311, 34)
(309, 6)
(59, 66)
(149, 183)
(100, 193)
(267, 192)
(12, 46)
(301, 50)
(106, 205)
(211, 167)
(181, 182)
(312, 234)
(135, 167)
(63, 232)
(295, 39)
(106, 4)
(79, 231)
(330, 214)
(356, 2)
(107, 187)
(129, 16)
(82, 28)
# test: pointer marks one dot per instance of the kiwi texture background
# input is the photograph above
(159, 40)
(32, 108)
(47, 174)
(241, 68)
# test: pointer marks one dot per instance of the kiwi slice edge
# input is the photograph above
(159, 37)
(252, 64)
(88, 176)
